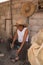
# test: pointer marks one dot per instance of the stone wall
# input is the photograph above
(35, 21)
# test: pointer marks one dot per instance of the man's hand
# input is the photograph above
(18, 51)
(12, 45)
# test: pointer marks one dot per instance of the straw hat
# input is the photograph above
(28, 9)
(22, 21)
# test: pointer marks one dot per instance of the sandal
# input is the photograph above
(14, 59)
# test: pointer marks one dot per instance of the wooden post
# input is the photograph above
(11, 18)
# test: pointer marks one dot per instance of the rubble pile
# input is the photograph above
(35, 53)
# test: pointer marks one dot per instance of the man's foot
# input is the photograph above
(15, 59)
(1, 54)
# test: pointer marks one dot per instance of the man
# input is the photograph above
(22, 35)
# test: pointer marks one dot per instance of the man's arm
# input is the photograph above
(15, 37)
(24, 40)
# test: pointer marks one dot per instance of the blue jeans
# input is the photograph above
(23, 53)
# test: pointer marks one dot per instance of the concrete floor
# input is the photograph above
(6, 59)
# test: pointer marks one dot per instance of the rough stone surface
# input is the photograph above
(35, 21)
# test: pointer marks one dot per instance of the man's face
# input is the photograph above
(20, 27)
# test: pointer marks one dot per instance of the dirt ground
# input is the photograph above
(6, 59)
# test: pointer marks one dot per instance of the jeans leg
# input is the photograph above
(16, 44)
(23, 52)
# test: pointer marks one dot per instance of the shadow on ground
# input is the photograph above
(6, 59)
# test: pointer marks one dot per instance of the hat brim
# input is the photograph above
(20, 25)
(31, 10)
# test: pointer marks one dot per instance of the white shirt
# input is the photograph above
(21, 35)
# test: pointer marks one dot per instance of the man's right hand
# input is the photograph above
(12, 45)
